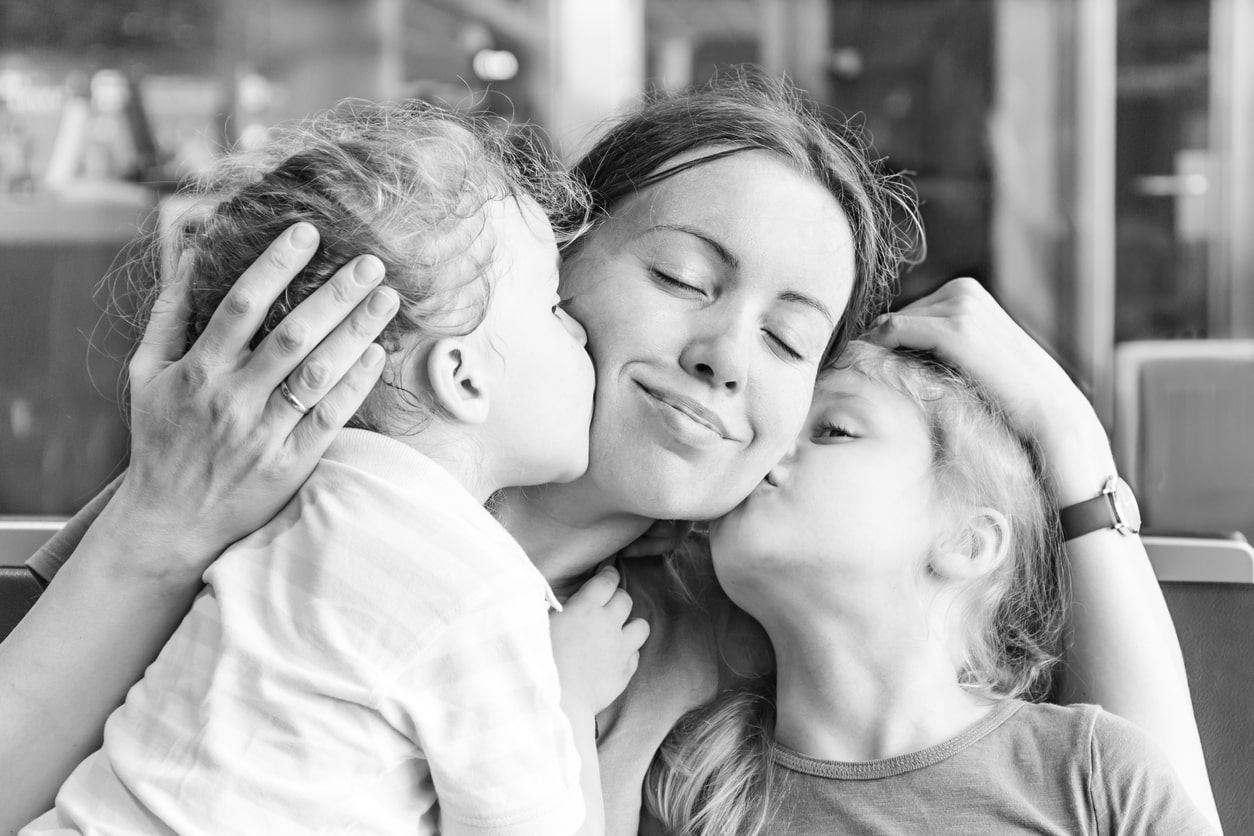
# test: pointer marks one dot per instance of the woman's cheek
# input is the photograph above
(790, 410)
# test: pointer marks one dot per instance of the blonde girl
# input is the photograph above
(377, 657)
(904, 560)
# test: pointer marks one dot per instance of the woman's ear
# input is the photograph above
(459, 378)
(978, 547)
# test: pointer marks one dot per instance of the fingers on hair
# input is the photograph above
(406, 182)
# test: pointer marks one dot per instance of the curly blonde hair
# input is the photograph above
(406, 182)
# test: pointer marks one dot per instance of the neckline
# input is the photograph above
(794, 761)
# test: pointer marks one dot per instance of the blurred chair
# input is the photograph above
(19, 538)
(1184, 411)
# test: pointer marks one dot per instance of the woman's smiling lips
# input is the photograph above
(686, 415)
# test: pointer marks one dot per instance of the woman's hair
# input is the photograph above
(743, 110)
(712, 774)
(406, 182)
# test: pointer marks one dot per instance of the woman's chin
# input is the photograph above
(654, 484)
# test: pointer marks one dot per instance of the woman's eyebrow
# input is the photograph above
(809, 301)
(725, 255)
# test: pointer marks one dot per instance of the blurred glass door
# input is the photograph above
(1181, 175)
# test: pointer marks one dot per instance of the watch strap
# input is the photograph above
(1090, 515)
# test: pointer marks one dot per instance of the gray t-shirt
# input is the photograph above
(1026, 768)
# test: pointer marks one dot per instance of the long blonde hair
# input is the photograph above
(712, 775)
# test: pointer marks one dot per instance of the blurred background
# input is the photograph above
(1088, 160)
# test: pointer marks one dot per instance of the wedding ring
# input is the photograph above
(286, 392)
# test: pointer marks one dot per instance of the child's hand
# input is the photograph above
(596, 647)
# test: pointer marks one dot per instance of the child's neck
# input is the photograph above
(863, 685)
(562, 527)
(457, 454)
(565, 530)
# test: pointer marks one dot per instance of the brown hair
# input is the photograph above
(746, 109)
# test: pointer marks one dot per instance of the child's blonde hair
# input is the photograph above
(711, 777)
(406, 182)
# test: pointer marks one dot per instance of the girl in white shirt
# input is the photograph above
(377, 657)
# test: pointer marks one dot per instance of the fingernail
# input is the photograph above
(380, 302)
(368, 270)
(304, 236)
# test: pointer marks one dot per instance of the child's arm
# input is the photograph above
(210, 462)
(597, 650)
(1124, 654)
(482, 700)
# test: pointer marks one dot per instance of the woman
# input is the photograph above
(735, 233)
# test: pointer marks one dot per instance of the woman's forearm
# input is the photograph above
(1124, 654)
(71, 660)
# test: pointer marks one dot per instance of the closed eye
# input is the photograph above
(832, 432)
(672, 282)
(783, 346)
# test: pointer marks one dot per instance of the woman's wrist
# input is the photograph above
(1078, 455)
(140, 539)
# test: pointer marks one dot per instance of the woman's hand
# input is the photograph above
(964, 326)
(217, 449)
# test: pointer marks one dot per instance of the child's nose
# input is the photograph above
(575, 327)
(778, 474)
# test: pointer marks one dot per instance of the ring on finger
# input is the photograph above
(295, 402)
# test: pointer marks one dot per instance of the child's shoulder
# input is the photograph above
(1081, 722)
(379, 507)
(1110, 749)
(1070, 725)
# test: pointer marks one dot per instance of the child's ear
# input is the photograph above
(978, 547)
(459, 378)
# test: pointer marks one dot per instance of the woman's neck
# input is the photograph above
(854, 688)
(565, 531)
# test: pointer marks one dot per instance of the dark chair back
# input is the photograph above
(18, 593)
(1215, 622)
(20, 537)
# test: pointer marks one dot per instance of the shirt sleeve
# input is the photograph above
(482, 702)
(1135, 789)
(51, 556)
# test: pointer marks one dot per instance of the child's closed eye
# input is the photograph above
(832, 431)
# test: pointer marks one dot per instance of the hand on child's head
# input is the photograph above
(596, 647)
(215, 449)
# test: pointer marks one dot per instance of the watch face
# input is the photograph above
(1125, 506)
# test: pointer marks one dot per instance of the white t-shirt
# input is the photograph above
(376, 659)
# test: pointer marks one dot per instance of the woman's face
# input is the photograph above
(708, 299)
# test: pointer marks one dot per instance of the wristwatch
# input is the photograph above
(1115, 507)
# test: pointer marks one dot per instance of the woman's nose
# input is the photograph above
(719, 356)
